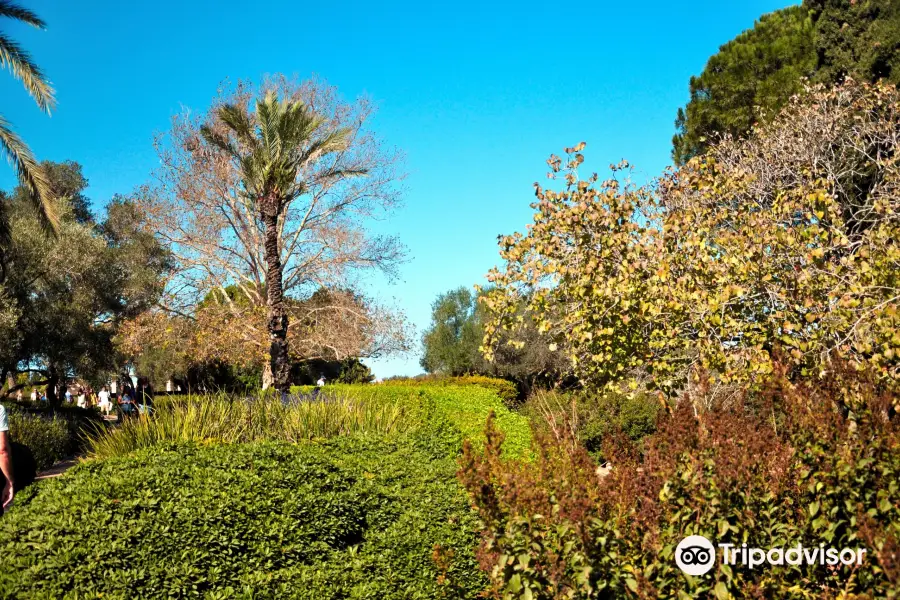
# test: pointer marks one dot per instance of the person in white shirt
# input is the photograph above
(34, 395)
(105, 404)
(9, 484)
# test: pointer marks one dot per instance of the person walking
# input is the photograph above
(105, 404)
(9, 482)
(34, 395)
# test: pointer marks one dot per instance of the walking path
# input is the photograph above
(57, 469)
(66, 464)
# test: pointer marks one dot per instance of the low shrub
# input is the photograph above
(48, 439)
(591, 417)
(816, 463)
(347, 518)
(506, 390)
(339, 410)
(42, 436)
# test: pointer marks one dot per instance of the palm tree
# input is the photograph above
(272, 148)
(31, 174)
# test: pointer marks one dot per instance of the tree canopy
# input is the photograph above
(281, 226)
(780, 244)
(64, 297)
(754, 75)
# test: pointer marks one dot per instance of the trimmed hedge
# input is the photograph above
(349, 518)
(506, 390)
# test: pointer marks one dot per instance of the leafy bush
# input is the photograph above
(590, 417)
(360, 518)
(787, 238)
(38, 442)
(42, 436)
(506, 390)
(808, 462)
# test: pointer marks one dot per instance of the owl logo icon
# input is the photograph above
(695, 555)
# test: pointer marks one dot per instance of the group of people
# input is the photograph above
(131, 401)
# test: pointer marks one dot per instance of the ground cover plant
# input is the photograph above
(346, 518)
(351, 496)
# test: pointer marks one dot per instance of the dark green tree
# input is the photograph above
(68, 294)
(857, 38)
(751, 76)
(450, 344)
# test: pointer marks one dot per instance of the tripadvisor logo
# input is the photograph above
(696, 555)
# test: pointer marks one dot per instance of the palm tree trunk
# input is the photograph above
(278, 320)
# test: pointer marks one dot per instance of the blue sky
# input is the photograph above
(477, 95)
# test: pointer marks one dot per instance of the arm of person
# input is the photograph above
(6, 460)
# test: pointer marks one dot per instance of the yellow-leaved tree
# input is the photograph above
(785, 243)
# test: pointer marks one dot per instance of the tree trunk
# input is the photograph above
(267, 376)
(53, 399)
(278, 320)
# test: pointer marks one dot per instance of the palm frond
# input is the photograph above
(11, 10)
(31, 175)
(19, 62)
(238, 120)
(333, 142)
(221, 142)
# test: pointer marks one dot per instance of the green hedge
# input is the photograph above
(46, 439)
(506, 390)
(464, 407)
(348, 518)
(41, 436)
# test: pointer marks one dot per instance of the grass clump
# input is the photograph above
(230, 420)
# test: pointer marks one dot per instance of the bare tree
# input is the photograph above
(276, 202)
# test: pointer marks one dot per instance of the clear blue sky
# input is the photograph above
(477, 95)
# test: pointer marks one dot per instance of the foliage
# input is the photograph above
(857, 39)
(785, 239)
(591, 417)
(42, 436)
(348, 518)
(752, 75)
(338, 410)
(323, 178)
(451, 342)
(803, 469)
(70, 293)
(46, 440)
(227, 419)
(506, 390)
(452, 345)
(373, 512)
(32, 176)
